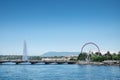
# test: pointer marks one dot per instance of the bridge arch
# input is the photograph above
(88, 44)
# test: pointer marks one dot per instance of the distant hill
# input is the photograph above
(52, 54)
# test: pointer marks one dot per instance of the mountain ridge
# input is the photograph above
(54, 53)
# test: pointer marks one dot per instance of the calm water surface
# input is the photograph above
(59, 72)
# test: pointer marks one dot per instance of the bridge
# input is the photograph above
(38, 61)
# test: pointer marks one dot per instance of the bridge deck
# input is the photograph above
(38, 61)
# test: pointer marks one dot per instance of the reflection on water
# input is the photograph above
(59, 72)
(88, 72)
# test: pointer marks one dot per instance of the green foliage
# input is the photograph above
(18, 57)
(108, 56)
(82, 56)
(98, 57)
(35, 58)
(118, 55)
(73, 59)
(114, 56)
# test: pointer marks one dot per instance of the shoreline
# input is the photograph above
(97, 63)
(104, 63)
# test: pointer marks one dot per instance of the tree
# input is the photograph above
(82, 56)
(114, 56)
(97, 57)
(118, 55)
(98, 53)
(108, 56)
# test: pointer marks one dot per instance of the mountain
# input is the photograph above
(52, 54)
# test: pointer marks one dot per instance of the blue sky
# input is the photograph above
(58, 25)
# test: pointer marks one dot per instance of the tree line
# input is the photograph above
(18, 57)
(98, 57)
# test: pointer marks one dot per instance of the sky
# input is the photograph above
(58, 25)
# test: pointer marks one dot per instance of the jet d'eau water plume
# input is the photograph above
(25, 56)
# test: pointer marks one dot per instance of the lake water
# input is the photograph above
(59, 72)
